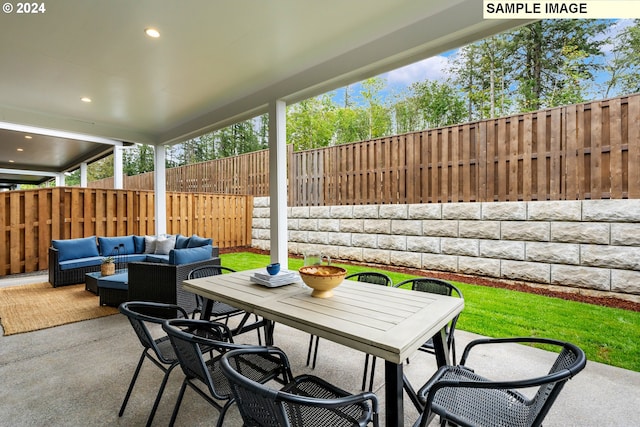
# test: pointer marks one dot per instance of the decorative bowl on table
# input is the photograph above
(322, 279)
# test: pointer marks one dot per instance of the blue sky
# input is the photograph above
(434, 68)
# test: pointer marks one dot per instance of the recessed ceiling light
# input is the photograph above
(152, 32)
(28, 137)
(85, 99)
(20, 149)
(11, 161)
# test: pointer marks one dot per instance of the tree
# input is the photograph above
(138, 159)
(623, 68)
(480, 71)
(378, 117)
(310, 123)
(438, 104)
(552, 60)
(406, 117)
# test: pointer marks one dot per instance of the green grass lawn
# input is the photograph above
(607, 335)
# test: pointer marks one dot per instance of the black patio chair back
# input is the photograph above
(193, 338)
(305, 401)
(441, 287)
(219, 310)
(156, 348)
(461, 396)
(373, 277)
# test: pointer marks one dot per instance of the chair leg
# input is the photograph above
(223, 412)
(310, 349)
(453, 351)
(315, 353)
(366, 370)
(176, 408)
(406, 385)
(159, 395)
(132, 383)
(258, 330)
(373, 372)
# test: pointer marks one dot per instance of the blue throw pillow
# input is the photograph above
(112, 246)
(76, 248)
(197, 241)
(138, 243)
(182, 241)
(189, 255)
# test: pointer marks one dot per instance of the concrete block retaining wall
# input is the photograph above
(586, 244)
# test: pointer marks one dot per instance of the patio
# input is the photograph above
(77, 374)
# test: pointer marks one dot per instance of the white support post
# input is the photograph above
(83, 175)
(117, 168)
(60, 180)
(160, 189)
(278, 182)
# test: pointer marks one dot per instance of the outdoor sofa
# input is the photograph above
(156, 266)
(162, 262)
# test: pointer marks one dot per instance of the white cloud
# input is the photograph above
(433, 68)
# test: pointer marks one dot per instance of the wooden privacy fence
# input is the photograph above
(30, 219)
(576, 152)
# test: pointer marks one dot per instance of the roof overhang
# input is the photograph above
(214, 64)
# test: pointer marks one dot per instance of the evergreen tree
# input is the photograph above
(554, 60)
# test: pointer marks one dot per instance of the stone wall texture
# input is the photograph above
(585, 244)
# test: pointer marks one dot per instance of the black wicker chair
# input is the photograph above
(366, 276)
(157, 350)
(221, 311)
(441, 287)
(463, 397)
(190, 339)
(435, 286)
(305, 401)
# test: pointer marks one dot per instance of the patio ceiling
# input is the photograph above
(216, 62)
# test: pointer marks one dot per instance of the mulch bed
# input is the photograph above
(572, 294)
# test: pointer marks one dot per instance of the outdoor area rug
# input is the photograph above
(28, 308)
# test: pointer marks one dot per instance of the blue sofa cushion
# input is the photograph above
(80, 262)
(197, 241)
(161, 259)
(108, 245)
(138, 243)
(115, 281)
(189, 255)
(76, 248)
(133, 258)
(182, 241)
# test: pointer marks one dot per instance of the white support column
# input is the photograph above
(278, 182)
(117, 168)
(83, 175)
(60, 180)
(160, 188)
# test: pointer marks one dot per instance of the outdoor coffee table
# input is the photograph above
(386, 322)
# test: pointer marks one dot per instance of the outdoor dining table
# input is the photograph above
(386, 322)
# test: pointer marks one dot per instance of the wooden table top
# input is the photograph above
(383, 321)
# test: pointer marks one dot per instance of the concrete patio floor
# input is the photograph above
(77, 375)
